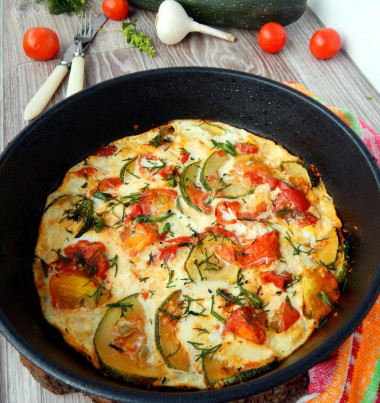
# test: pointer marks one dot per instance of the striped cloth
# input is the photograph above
(352, 374)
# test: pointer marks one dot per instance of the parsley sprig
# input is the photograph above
(138, 40)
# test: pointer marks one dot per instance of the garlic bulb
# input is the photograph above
(173, 24)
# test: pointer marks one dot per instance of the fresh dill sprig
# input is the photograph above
(64, 6)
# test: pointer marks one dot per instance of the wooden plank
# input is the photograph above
(337, 81)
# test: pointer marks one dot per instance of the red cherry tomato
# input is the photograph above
(248, 323)
(287, 316)
(40, 43)
(325, 43)
(272, 37)
(279, 280)
(115, 9)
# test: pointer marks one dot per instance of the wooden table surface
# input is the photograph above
(337, 81)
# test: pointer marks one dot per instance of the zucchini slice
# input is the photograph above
(202, 263)
(300, 174)
(327, 249)
(121, 343)
(187, 180)
(213, 129)
(341, 263)
(214, 182)
(218, 373)
(167, 316)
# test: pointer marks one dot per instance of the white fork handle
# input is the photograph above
(76, 77)
(43, 95)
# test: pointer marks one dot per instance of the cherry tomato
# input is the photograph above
(287, 316)
(279, 280)
(105, 151)
(115, 9)
(170, 251)
(227, 212)
(139, 236)
(246, 148)
(272, 37)
(248, 323)
(86, 171)
(199, 199)
(262, 252)
(291, 198)
(40, 43)
(325, 43)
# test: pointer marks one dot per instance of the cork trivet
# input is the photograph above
(288, 392)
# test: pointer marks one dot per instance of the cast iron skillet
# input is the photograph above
(33, 165)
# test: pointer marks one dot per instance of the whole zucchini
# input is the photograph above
(250, 14)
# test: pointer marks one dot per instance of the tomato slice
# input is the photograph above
(262, 252)
(291, 198)
(184, 157)
(86, 171)
(70, 290)
(105, 151)
(199, 198)
(246, 148)
(258, 174)
(248, 323)
(279, 280)
(88, 257)
(227, 212)
(153, 202)
(139, 236)
(287, 315)
(106, 184)
(165, 172)
(169, 252)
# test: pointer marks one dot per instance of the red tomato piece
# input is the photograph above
(138, 236)
(325, 43)
(199, 199)
(105, 151)
(227, 212)
(221, 153)
(272, 37)
(291, 198)
(86, 171)
(40, 43)
(307, 219)
(165, 172)
(169, 252)
(88, 257)
(116, 9)
(279, 280)
(287, 315)
(262, 252)
(258, 174)
(184, 157)
(106, 184)
(248, 323)
(246, 148)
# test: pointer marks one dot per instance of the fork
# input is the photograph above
(83, 35)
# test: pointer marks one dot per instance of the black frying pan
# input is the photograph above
(33, 165)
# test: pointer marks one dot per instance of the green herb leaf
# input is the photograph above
(64, 6)
(150, 218)
(140, 41)
(325, 298)
(228, 147)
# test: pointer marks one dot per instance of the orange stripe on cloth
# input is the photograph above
(362, 366)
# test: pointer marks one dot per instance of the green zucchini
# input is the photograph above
(123, 325)
(341, 263)
(219, 374)
(187, 180)
(249, 14)
(300, 174)
(202, 263)
(167, 316)
(213, 182)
